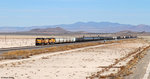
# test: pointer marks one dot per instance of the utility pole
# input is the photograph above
(5, 39)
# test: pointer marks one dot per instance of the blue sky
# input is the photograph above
(51, 12)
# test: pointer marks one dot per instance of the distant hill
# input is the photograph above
(49, 30)
(92, 27)
(128, 32)
(104, 27)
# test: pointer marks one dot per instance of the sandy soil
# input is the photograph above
(7, 43)
(73, 64)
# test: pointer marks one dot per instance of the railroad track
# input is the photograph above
(3, 50)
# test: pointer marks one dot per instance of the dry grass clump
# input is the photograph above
(44, 57)
(21, 54)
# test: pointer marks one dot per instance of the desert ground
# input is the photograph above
(8, 43)
(81, 63)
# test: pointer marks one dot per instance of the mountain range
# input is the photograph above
(92, 27)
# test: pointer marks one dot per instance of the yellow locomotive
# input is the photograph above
(45, 41)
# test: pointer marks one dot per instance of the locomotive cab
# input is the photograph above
(39, 41)
(46, 41)
(51, 40)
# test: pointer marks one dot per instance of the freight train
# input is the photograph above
(50, 41)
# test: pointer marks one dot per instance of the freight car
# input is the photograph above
(65, 40)
(83, 39)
